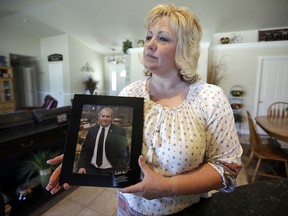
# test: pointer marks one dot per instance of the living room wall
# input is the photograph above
(55, 45)
(241, 61)
(75, 55)
(18, 42)
(80, 54)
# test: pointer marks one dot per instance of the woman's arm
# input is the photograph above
(203, 179)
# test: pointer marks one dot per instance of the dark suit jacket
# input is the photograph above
(116, 148)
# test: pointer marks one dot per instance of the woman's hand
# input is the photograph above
(82, 171)
(53, 185)
(152, 186)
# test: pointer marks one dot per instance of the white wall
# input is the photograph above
(241, 60)
(203, 61)
(134, 65)
(55, 45)
(80, 54)
(242, 65)
(17, 42)
(75, 55)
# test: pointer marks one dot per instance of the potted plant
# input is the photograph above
(37, 163)
(216, 72)
(126, 45)
(90, 84)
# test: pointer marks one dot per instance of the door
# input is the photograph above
(56, 82)
(117, 78)
(29, 86)
(273, 78)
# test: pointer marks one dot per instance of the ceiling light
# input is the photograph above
(25, 20)
(116, 59)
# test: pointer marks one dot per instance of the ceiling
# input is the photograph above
(105, 24)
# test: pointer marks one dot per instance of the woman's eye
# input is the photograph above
(163, 39)
(148, 38)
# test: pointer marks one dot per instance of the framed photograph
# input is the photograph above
(103, 142)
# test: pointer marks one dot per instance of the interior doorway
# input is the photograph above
(273, 82)
(29, 89)
(117, 78)
(56, 81)
(25, 80)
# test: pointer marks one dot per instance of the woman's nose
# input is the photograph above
(151, 44)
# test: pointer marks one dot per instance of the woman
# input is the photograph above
(190, 144)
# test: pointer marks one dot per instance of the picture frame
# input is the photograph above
(123, 169)
(273, 35)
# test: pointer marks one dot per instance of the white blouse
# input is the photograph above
(178, 140)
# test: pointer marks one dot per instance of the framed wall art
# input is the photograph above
(273, 35)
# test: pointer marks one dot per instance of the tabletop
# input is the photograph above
(276, 127)
(264, 197)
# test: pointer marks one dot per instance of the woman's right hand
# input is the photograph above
(53, 185)
(82, 171)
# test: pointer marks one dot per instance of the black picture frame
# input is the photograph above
(128, 114)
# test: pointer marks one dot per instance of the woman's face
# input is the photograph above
(160, 47)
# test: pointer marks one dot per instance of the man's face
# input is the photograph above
(105, 117)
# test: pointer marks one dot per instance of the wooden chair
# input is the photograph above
(264, 152)
(278, 109)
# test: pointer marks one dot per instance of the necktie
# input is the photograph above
(100, 148)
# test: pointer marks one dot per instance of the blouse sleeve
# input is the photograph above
(223, 147)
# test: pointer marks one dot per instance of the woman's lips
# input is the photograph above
(150, 58)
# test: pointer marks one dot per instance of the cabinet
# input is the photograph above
(236, 96)
(7, 103)
(16, 147)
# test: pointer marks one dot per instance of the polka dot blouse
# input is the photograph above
(177, 140)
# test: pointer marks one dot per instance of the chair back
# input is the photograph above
(49, 102)
(278, 109)
(254, 138)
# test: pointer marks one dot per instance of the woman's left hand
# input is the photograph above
(152, 186)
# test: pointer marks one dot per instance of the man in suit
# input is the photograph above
(102, 157)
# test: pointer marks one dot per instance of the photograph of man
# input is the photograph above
(105, 148)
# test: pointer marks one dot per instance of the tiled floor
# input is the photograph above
(86, 201)
(97, 201)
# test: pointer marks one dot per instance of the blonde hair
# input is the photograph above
(188, 31)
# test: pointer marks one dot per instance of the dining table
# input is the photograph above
(276, 127)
